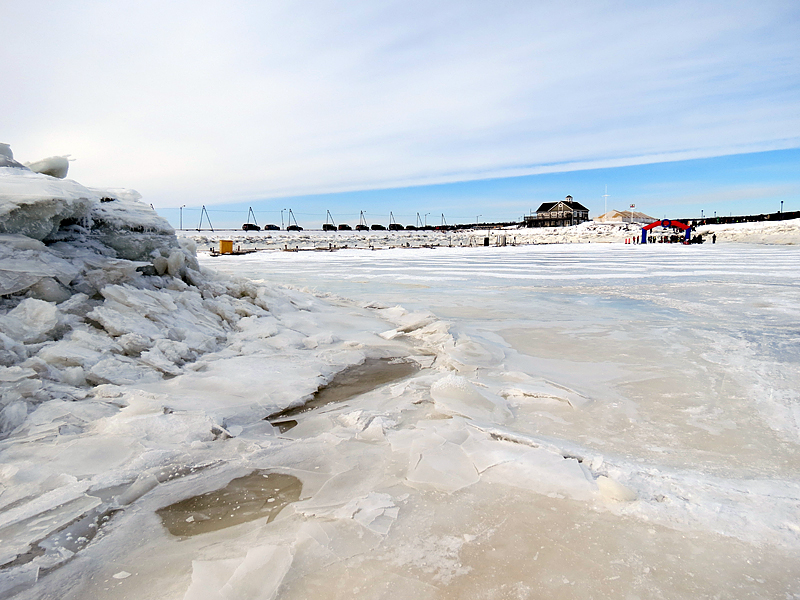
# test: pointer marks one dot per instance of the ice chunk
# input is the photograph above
(118, 319)
(444, 467)
(544, 472)
(259, 574)
(25, 261)
(376, 430)
(614, 490)
(336, 492)
(258, 327)
(166, 356)
(160, 264)
(50, 290)
(80, 349)
(541, 391)
(54, 166)
(134, 343)
(175, 263)
(208, 578)
(121, 575)
(123, 211)
(14, 374)
(375, 511)
(454, 394)
(256, 577)
(485, 452)
(11, 351)
(471, 353)
(35, 205)
(143, 484)
(121, 370)
(30, 321)
(12, 416)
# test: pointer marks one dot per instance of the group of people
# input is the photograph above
(671, 239)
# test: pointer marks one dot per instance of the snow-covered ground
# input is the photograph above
(780, 232)
(765, 232)
(570, 421)
(306, 240)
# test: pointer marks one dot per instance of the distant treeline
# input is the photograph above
(779, 216)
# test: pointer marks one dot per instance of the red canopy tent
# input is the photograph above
(667, 223)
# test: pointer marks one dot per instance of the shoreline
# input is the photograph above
(768, 233)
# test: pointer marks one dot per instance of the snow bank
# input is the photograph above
(585, 233)
(591, 232)
(765, 232)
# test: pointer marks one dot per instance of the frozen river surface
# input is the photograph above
(674, 371)
(561, 421)
(687, 356)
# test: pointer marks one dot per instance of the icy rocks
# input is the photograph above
(96, 289)
(25, 262)
(35, 205)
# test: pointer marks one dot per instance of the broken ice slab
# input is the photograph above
(257, 575)
(455, 395)
(17, 536)
(259, 495)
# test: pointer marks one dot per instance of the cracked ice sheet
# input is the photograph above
(649, 386)
(458, 530)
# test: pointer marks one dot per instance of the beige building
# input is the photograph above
(624, 216)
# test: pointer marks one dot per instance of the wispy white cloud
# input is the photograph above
(203, 101)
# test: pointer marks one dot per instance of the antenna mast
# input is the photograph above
(204, 212)
(252, 214)
(605, 199)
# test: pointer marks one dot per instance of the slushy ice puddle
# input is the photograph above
(348, 383)
(258, 495)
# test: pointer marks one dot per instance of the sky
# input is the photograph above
(470, 109)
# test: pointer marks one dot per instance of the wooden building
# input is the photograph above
(558, 214)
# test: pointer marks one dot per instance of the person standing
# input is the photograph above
(713, 238)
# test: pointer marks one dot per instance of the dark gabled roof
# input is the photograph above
(547, 206)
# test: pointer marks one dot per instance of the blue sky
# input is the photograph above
(452, 106)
